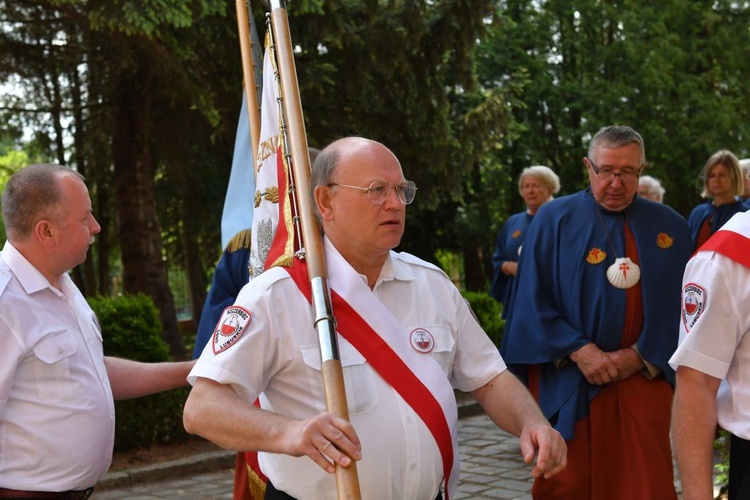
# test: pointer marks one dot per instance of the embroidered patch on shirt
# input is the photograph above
(229, 329)
(596, 255)
(516, 233)
(663, 240)
(693, 304)
(421, 340)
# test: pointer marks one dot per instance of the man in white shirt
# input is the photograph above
(712, 362)
(56, 386)
(406, 339)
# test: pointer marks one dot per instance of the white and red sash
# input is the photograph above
(366, 324)
(732, 241)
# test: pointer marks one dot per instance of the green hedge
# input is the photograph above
(487, 311)
(131, 329)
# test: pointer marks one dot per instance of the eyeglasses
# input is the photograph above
(608, 174)
(378, 191)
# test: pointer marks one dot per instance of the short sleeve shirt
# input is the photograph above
(56, 406)
(713, 327)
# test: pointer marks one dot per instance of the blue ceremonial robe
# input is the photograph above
(231, 274)
(563, 300)
(507, 248)
(721, 215)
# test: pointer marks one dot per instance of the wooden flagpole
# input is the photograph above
(248, 484)
(347, 482)
(248, 72)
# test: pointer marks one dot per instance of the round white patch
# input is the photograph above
(421, 340)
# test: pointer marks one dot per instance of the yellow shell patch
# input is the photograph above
(663, 240)
(516, 233)
(596, 255)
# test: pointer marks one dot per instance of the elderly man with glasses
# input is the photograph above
(594, 322)
(406, 339)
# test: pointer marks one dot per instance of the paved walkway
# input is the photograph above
(491, 468)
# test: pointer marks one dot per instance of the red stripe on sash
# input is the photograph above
(388, 365)
(731, 244)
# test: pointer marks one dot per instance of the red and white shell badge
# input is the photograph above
(229, 329)
(421, 340)
(693, 304)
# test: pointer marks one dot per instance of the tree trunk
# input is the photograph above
(144, 269)
(196, 277)
(475, 278)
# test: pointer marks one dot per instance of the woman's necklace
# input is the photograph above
(624, 273)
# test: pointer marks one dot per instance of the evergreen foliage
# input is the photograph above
(131, 330)
(487, 311)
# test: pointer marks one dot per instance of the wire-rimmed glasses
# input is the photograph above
(378, 191)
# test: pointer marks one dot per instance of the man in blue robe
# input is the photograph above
(594, 319)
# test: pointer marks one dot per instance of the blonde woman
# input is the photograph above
(722, 185)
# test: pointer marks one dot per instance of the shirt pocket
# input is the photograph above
(54, 380)
(443, 352)
(359, 380)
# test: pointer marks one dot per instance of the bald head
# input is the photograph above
(363, 222)
(326, 164)
(342, 153)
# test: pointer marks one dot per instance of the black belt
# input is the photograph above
(273, 494)
(45, 495)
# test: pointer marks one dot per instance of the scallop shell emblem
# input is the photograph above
(624, 273)
(596, 255)
(663, 240)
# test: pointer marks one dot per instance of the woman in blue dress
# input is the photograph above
(537, 185)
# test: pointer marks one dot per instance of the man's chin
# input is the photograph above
(392, 241)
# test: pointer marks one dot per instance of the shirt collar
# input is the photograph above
(393, 267)
(27, 275)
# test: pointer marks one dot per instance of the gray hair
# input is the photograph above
(544, 174)
(33, 193)
(617, 136)
(323, 170)
(653, 185)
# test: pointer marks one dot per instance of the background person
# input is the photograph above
(406, 338)
(712, 359)
(57, 415)
(536, 185)
(745, 169)
(722, 185)
(596, 297)
(651, 188)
